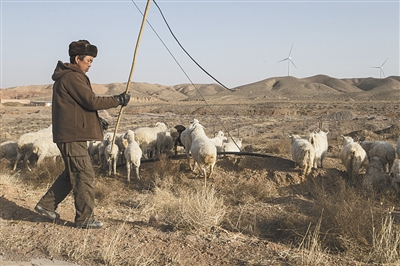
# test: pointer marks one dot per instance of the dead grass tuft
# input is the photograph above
(198, 209)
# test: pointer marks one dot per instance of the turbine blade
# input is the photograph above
(291, 50)
(283, 60)
(384, 62)
(293, 64)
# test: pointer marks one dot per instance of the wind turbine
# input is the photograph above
(289, 59)
(381, 69)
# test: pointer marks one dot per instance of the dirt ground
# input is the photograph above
(264, 128)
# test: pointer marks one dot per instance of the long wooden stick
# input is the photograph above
(132, 68)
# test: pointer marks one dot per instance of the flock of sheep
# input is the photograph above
(150, 142)
(131, 147)
(382, 168)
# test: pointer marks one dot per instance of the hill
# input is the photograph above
(317, 87)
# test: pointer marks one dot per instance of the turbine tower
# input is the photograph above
(289, 59)
(381, 69)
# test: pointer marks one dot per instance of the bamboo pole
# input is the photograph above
(132, 68)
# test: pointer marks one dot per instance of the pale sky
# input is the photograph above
(238, 42)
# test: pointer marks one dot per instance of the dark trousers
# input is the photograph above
(77, 176)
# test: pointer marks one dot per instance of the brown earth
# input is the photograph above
(264, 126)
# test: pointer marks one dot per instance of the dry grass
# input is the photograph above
(346, 220)
(385, 242)
(311, 248)
(256, 199)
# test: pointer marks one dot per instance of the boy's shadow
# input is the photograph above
(11, 211)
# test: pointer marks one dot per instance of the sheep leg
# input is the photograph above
(19, 155)
(137, 172)
(40, 160)
(144, 151)
(194, 167)
(128, 170)
(203, 169)
(26, 159)
(115, 166)
(188, 159)
(211, 170)
(109, 167)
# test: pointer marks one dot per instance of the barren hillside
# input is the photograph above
(316, 87)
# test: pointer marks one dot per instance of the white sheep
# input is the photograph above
(303, 153)
(101, 147)
(25, 142)
(319, 140)
(186, 140)
(396, 175)
(381, 149)
(122, 143)
(203, 150)
(219, 140)
(93, 148)
(146, 137)
(111, 153)
(44, 147)
(132, 154)
(119, 141)
(166, 140)
(8, 149)
(352, 155)
(232, 145)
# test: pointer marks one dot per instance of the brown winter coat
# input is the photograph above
(75, 105)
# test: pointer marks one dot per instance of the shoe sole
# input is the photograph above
(88, 226)
(49, 214)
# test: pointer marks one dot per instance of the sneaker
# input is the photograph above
(91, 224)
(49, 214)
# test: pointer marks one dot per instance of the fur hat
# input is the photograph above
(82, 47)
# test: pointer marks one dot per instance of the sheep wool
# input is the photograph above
(303, 153)
(8, 149)
(381, 149)
(396, 176)
(44, 147)
(375, 177)
(203, 150)
(146, 137)
(25, 142)
(186, 140)
(219, 140)
(111, 153)
(232, 145)
(319, 141)
(133, 154)
(353, 156)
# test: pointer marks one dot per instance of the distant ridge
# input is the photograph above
(323, 87)
(319, 87)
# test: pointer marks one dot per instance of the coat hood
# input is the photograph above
(63, 68)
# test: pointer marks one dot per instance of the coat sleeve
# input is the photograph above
(81, 91)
